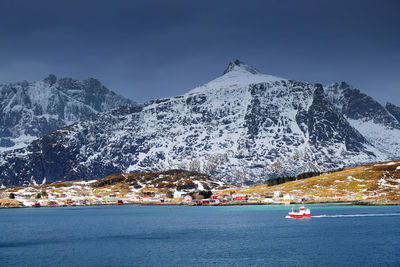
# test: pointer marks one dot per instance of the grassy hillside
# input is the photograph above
(374, 182)
(129, 187)
(377, 183)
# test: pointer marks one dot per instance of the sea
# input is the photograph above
(134, 235)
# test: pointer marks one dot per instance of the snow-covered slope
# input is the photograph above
(31, 110)
(394, 110)
(376, 123)
(241, 127)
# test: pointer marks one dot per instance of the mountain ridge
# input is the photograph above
(31, 110)
(241, 127)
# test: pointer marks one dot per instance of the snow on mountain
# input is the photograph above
(236, 75)
(394, 110)
(242, 127)
(376, 123)
(31, 110)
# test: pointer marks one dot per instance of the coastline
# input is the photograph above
(345, 203)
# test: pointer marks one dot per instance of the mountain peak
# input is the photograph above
(239, 65)
(29, 110)
(51, 79)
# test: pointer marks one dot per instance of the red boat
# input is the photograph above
(36, 205)
(301, 213)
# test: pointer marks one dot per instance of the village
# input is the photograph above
(82, 194)
(375, 184)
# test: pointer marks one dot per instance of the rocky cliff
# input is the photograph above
(242, 127)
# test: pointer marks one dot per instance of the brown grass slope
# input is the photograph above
(176, 179)
(378, 181)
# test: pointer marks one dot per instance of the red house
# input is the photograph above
(241, 197)
(197, 202)
(205, 201)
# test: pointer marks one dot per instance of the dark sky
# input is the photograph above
(151, 49)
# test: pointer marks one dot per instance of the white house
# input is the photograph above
(188, 199)
(289, 197)
(268, 199)
(178, 194)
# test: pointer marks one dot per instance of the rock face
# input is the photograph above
(394, 110)
(242, 127)
(172, 180)
(376, 123)
(32, 110)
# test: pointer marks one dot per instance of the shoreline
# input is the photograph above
(346, 203)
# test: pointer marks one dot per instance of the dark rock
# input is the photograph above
(394, 110)
(35, 109)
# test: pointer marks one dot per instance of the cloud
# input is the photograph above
(150, 49)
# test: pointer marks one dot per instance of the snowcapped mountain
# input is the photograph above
(242, 127)
(31, 110)
(379, 125)
(394, 110)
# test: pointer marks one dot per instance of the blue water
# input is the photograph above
(199, 236)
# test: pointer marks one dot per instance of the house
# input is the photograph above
(25, 196)
(160, 195)
(222, 198)
(196, 202)
(52, 203)
(268, 199)
(241, 197)
(205, 201)
(179, 194)
(69, 202)
(222, 201)
(255, 196)
(289, 197)
(148, 193)
(112, 195)
(83, 201)
(277, 194)
(187, 199)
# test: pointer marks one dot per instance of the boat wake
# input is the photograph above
(288, 217)
(355, 215)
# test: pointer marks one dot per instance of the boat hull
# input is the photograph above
(299, 216)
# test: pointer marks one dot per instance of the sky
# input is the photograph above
(149, 49)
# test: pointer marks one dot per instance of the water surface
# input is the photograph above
(199, 236)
